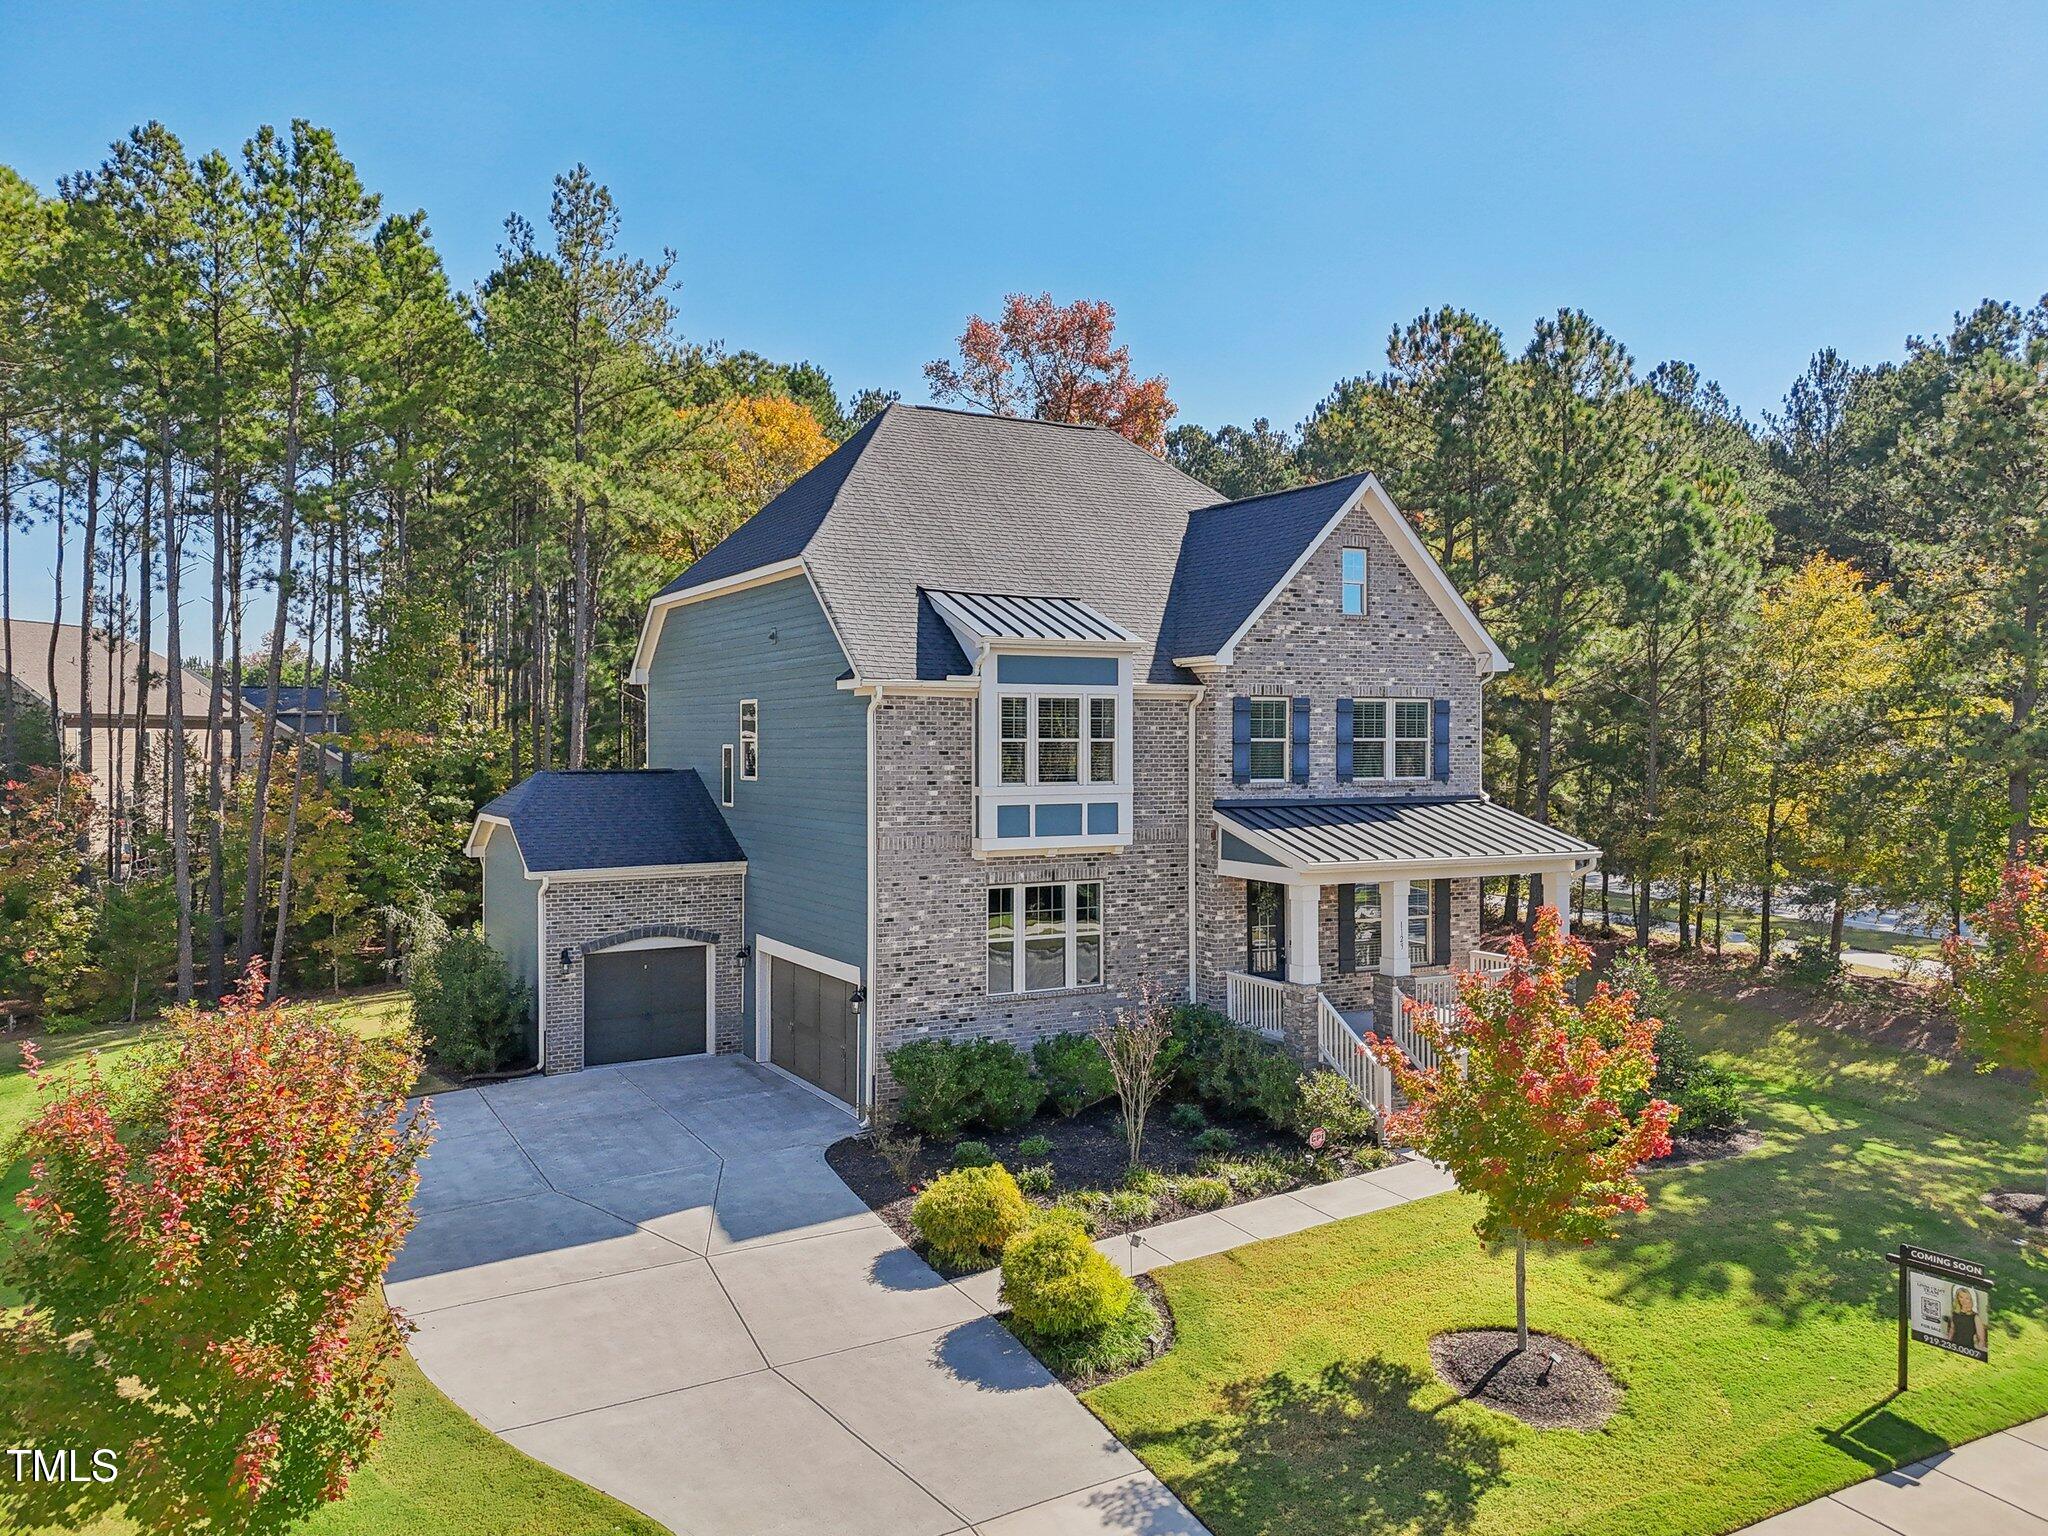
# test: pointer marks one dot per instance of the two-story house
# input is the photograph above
(985, 725)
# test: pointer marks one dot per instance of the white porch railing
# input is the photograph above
(1256, 1002)
(1490, 963)
(1417, 1049)
(1344, 1053)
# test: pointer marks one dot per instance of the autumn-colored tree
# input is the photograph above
(1057, 362)
(1526, 1104)
(2000, 992)
(763, 443)
(206, 1230)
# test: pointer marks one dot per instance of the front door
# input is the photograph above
(1265, 928)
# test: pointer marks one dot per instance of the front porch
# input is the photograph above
(1353, 908)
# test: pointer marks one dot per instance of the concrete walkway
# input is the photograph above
(1997, 1486)
(1196, 1237)
(648, 1277)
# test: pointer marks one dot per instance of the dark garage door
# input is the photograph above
(639, 1003)
(811, 1028)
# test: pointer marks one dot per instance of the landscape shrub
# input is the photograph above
(1133, 1205)
(468, 1009)
(1810, 965)
(1146, 1181)
(1187, 1116)
(1075, 1072)
(1706, 1095)
(1084, 1205)
(1035, 1146)
(1232, 1070)
(1057, 1284)
(1035, 1179)
(934, 1098)
(972, 1154)
(1257, 1175)
(1635, 971)
(1203, 1191)
(966, 1216)
(1218, 1138)
(947, 1085)
(1324, 1099)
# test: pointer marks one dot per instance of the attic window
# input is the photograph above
(1354, 581)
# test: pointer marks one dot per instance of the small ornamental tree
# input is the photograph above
(206, 1229)
(2000, 992)
(1526, 1106)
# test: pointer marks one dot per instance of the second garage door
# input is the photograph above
(812, 1030)
(639, 1003)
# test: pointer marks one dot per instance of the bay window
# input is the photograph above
(1056, 738)
(1044, 938)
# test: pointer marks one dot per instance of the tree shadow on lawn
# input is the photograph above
(1345, 1450)
(1805, 1221)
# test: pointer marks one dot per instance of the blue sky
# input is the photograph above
(1261, 191)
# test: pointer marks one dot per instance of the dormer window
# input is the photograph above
(1354, 581)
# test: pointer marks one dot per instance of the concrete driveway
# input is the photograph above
(648, 1277)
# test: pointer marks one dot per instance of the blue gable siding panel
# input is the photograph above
(1057, 671)
(803, 822)
(512, 918)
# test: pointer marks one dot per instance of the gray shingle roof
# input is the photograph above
(1308, 833)
(615, 819)
(924, 499)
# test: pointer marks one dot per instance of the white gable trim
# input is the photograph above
(480, 835)
(1402, 536)
(658, 608)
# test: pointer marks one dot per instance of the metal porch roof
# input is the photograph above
(1310, 834)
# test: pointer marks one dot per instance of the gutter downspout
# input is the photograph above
(869, 1042)
(1193, 990)
(540, 940)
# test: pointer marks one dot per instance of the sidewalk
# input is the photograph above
(1997, 1486)
(1196, 1237)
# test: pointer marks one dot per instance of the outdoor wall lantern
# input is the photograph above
(568, 958)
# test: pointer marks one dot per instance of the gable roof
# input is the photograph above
(611, 818)
(924, 502)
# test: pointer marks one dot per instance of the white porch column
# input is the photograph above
(1304, 935)
(1394, 928)
(1563, 899)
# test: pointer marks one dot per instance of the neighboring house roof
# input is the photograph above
(630, 818)
(112, 689)
(293, 701)
(925, 501)
(1462, 829)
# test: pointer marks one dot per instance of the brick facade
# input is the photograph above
(586, 915)
(931, 903)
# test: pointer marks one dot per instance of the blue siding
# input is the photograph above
(1059, 671)
(1237, 848)
(512, 914)
(803, 822)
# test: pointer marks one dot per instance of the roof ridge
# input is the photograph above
(1291, 490)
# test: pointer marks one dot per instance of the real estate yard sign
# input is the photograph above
(1944, 1301)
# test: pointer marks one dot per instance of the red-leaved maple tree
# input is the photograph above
(207, 1226)
(2000, 992)
(1058, 362)
(1526, 1104)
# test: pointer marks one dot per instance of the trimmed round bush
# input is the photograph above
(1187, 1116)
(1035, 1146)
(966, 1216)
(972, 1154)
(1057, 1284)
(1006, 1092)
(936, 1097)
(1217, 1138)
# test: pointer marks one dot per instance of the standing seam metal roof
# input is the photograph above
(1390, 831)
(1000, 616)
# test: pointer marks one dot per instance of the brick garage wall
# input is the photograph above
(931, 967)
(1305, 645)
(579, 912)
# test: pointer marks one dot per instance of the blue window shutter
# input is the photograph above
(1347, 928)
(1440, 740)
(1240, 741)
(1343, 740)
(1300, 720)
(1440, 923)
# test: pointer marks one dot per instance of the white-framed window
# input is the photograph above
(725, 774)
(750, 739)
(1043, 938)
(1390, 738)
(1354, 581)
(1056, 738)
(1418, 922)
(1366, 927)
(1268, 759)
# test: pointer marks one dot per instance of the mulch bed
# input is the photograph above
(1553, 1384)
(1088, 1152)
(2029, 1207)
(1710, 1146)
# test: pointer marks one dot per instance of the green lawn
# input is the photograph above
(1749, 1315)
(437, 1472)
